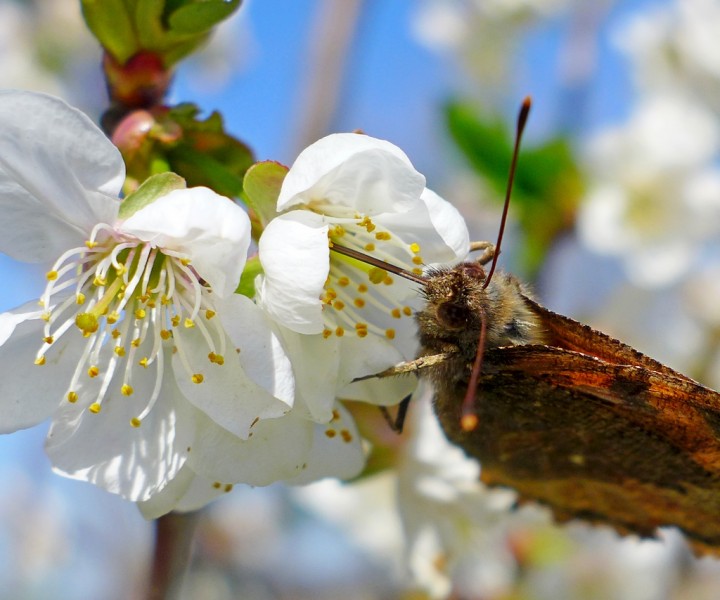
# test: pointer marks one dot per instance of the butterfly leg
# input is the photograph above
(488, 249)
(398, 422)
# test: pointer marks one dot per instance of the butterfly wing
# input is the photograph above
(617, 444)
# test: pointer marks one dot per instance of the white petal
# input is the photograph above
(264, 359)
(294, 254)
(336, 451)
(106, 450)
(449, 223)
(352, 170)
(277, 449)
(30, 393)
(187, 491)
(59, 176)
(227, 394)
(211, 229)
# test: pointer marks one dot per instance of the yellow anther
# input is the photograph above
(113, 317)
(51, 275)
(188, 323)
(326, 333)
(346, 436)
(165, 334)
(164, 300)
(417, 260)
(151, 303)
(135, 343)
(72, 397)
(361, 333)
(48, 339)
(339, 331)
(140, 313)
(99, 281)
(343, 281)
(383, 235)
(185, 261)
(390, 334)
(388, 280)
(94, 408)
(338, 305)
(362, 288)
(175, 321)
(197, 378)
(359, 302)
(407, 311)
(218, 359)
(331, 433)
(80, 298)
(115, 333)
(87, 323)
(90, 244)
(417, 271)
(209, 314)
(143, 362)
(361, 326)
(370, 247)
(40, 360)
(395, 312)
(135, 422)
(126, 390)
(119, 350)
(330, 294)
(217, 485)
(415, 248)
(370, 226)
(229, 486)
(377, 275)
(93, 371)
(46, 316)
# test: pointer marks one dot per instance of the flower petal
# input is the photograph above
(449, 223)
(211, 229)
(290, 289)
(266, 363)
(106, 450)
(357, 171)
(59, 176)
(336, 450)
(29, 394)
(276, 449)
(227, 394)
(185, 492)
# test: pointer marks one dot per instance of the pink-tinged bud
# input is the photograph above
(141, 82)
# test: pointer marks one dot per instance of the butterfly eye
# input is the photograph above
(453, 316)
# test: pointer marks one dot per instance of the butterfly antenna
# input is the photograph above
(376, 262)
(522, 120)
(468, 418)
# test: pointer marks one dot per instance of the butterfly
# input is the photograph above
(562, 413)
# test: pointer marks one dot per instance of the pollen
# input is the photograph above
(185, 261)
(417, 271)
(87, 323)
(377, 275)
(51, 275)
(346, 436)
(126, 390)
(407, 311)
(331, 433)
(359, 302)
(135, 422)
(217, 359)
(339, 331)
(370, 247)
(362, 288)
(135, 343)
(228, 487)
(343, 281)
(383, 236)
(48, 339)
(112, 317)
(40, 360)
(388, 280)
(361, 333)
(197, 378)
(80, 298)
(140, 313)
(326, 333)
(417, 260)
(46, 316)
(90, 244)
(119, 350)
(338, 305)
(390, 334)
(95, 408)
(415, 248)
(209, 314)
(143, 362)
(72, 397)
(175, 321)
(165, 334)
(99, 281)
(93, 371)
(395, 312)
(188, 323)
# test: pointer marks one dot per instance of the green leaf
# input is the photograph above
(151, 189)
(111, 22)
(252, 269)
(199, 17)
(261, 188)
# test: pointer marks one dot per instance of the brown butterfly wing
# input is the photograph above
(622, 445)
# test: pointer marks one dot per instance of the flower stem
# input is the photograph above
(173, 543)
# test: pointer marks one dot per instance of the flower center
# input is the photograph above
(131, 301)
(361, 298)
